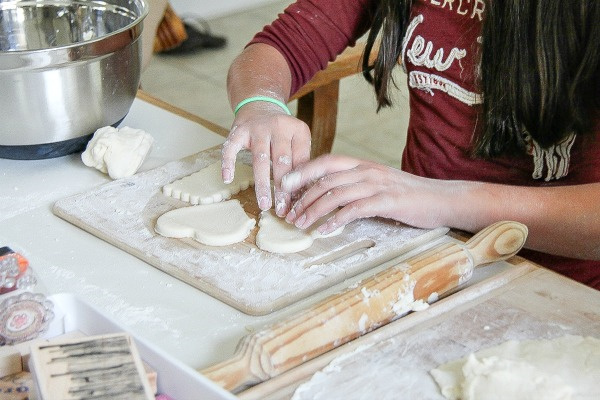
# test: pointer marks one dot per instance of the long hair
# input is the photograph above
(391, 20)
(540, 69)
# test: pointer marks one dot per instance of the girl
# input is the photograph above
(504, 119)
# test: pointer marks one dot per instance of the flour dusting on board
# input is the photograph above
(124, 212)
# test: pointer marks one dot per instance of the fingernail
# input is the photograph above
(291, 216)
(279, 204)
(324, 229)
(300, 221)
(263, 203)
(227, 175)
(290, 181)
(279, 207)
(328, 227)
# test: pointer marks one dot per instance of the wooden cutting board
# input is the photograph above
(124, 213)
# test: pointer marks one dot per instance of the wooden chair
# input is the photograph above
(170, 32)
(318, 98)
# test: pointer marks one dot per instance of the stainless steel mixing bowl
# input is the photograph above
(67, 68)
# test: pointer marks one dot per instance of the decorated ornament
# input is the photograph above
(14, 272)
(24, 317)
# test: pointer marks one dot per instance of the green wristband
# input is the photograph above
(261, 98)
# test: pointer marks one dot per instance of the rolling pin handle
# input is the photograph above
(497, 242)
(469, 255)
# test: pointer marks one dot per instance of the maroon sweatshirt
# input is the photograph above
(440, 52)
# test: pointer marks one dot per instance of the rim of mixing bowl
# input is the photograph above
(82, 49)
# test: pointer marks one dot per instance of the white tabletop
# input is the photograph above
(186, 323)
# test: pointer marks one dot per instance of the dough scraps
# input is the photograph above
(218, 224)
(206, 186)
(564, 368)
(117, 152)
(277, 236)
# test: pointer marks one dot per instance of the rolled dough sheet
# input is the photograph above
(218, 224)
(399, 367)
(552, 369)
(206, 186)
(277, 236)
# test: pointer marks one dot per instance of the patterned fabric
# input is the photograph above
(439, 54)
(556, 158)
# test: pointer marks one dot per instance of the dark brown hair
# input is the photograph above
(540, 68)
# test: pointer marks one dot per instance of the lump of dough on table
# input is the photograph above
(558, 369)
(206, 186)
(277, 236)
(218, 224)
(117, 152)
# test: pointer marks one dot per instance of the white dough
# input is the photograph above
(558, 369)
(117, 152)
(278, 236)
(517, 380)
(206, 186)
(218, 224)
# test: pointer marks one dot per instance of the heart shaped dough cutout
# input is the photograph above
(277, 236)
(218, 224)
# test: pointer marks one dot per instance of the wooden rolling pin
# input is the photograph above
(374, 302)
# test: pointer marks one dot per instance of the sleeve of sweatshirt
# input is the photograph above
(311, 33)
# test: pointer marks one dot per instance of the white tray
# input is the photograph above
(175, 379)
